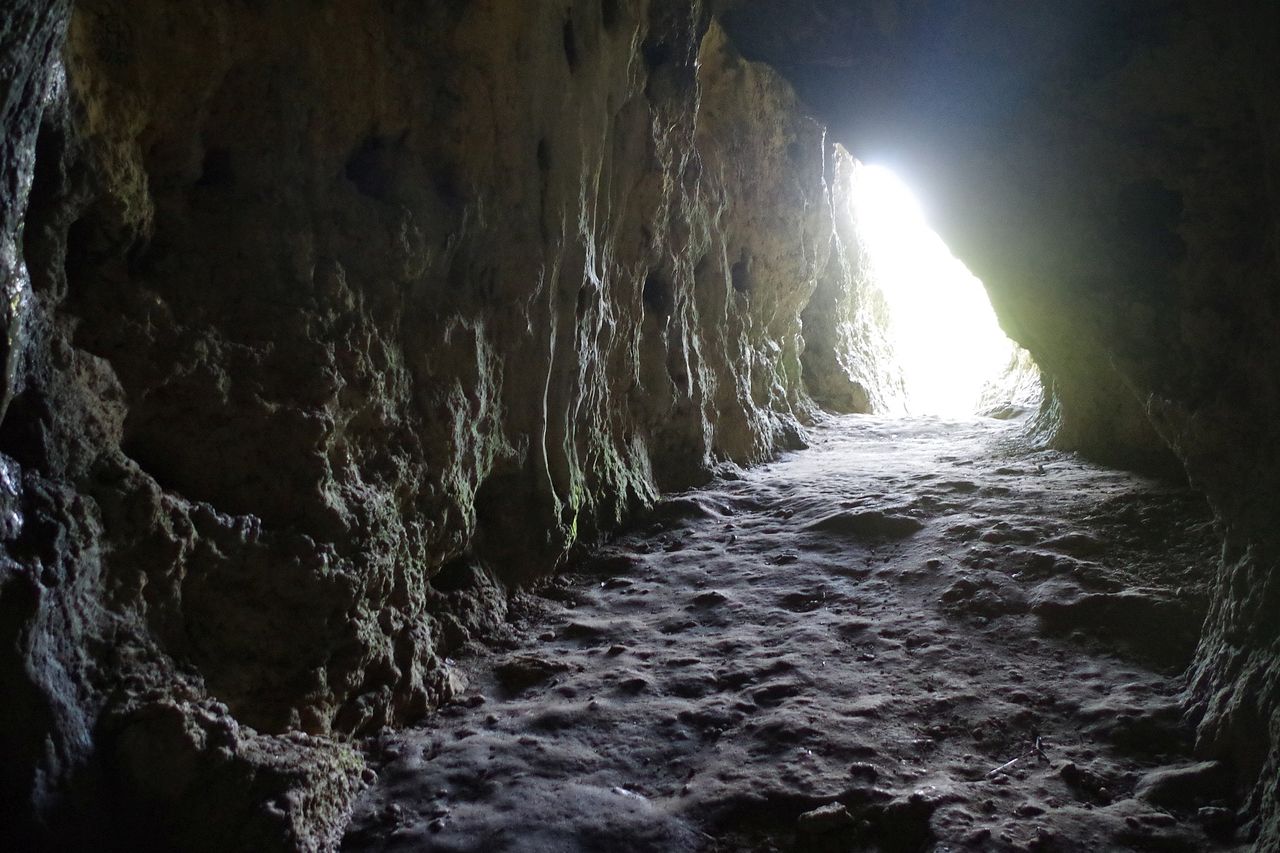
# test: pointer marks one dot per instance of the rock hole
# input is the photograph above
(449, 189)
(673, 69)
(139, 260)
(570, 46)
(48, 191)
(82, 236)
(544, 155)
(155, 460)
(740, 274)
(692, 173)
(455, 575)
(656, 54)
(369, 168)
(24, 430)
(658, 296)
(216, 171)
(1149, 212)
(609, 13)
(701, 270)
(678, 370)
(457, 276)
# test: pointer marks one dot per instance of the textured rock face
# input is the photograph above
(342, 318)
(849, 365)
(327, 322)
(957, 101)
(1109, 170)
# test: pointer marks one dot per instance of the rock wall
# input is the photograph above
(1110, 171)
(849, 361)
(341, 319)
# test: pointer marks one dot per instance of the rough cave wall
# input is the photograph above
(951, 97)
(848, 359)
(1110, 171)
(343, 317)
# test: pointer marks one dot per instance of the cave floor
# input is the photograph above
(913, 635)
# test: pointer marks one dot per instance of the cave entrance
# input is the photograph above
(954, 359)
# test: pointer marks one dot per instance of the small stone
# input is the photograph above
(581, 631)
(1085, 782)
(1182, 787)
(977, 837)
(868, 524)
(826, 818)
(522, 671)
(863, 770)
(1216, 820)
(1159, 819)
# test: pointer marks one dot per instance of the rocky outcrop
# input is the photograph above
(343, 318)
(849, 362)
(1109, 170)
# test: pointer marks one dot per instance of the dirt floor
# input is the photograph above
(914, 635)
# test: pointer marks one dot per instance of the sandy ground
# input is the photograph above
(914, 635)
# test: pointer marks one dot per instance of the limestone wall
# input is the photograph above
(1110, 171)
(344, 317)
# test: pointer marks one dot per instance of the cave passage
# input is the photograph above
(361, 360)
(915, 631)
(953, 356)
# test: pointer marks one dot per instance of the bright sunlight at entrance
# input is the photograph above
(943, 330)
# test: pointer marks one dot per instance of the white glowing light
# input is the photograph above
(945, 335)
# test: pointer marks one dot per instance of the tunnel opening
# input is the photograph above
(335, 521)
(954, 359)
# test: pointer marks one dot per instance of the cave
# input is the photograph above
(488, 425)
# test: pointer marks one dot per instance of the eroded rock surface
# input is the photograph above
(326, 324)
(341, 320)
(1110, 172)
(756, 680)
